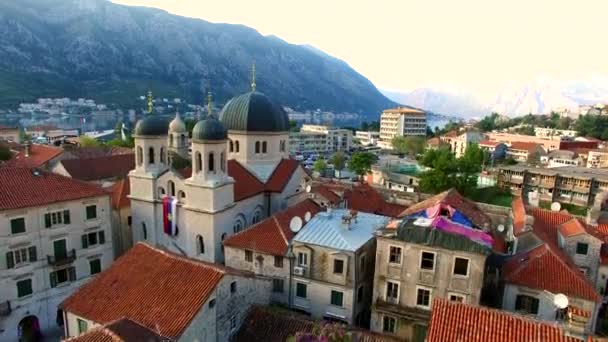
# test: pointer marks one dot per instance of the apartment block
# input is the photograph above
(368, 138)
(307, 142)
(337, 139)
(401, 121)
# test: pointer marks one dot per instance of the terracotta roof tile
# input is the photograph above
(524, 146)
(106, 167)
(571, 227)
(433, 142)
(159, 290)
(452, 321)
(122, 330)
(38, 157)
(455, 200)
(120, 194)
(281, 175)
(489, 143)
(272, 235)
(364, 198)
(96, 152)
(326, 193)
(519, 215)
(21, 188)
(245, 183)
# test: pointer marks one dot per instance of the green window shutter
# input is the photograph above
(17, 226)
(95, 266)
(24, 288)
(102, 237)
(53, 277)
(72, 273)
(10, 260)
(66, 216)
(47, 220)
(32, 253)
(85, 241)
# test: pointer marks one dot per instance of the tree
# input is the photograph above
(328, 332)
(408, 145)
(445, 171)
(122, 143)
(534, 158)
(86, 141)
(361, 163)
(293, 126)
(320, 166)
(339, 161)
(5, 152)
(399, 144)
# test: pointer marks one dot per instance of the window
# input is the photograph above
(278, 261)
(162, 155)
(24, 288)
(231, 146)
(423, 297)
(129, 221)
(20, 256)
(182, 140)
(362, 264)
(199, 162)
(302, 259)
(389, 324)
(91, 212)
(582, 248)
(236, 146)
(427, 261)
(83, 326)
(200, 245)
(211, 163)
(58, 217)
(526, 304)
(338, 266)
(151, 155)
(360, 294)
(392, 292)
(456, 298)
(144, 231)
(461, 266)
(161, 192)
(233, 322)
(222, 162)
(264, 147)
(256, 217)
(257, 147)
(248, 256)
(171, 188)
(212, 303)
(336, 298)
(171, 140)
(277, 285)
(93, 239)
(238, 225)
(223, 237)
(63, 276)
(301, 290)
(233, 287)
(140, 157)
(95, 266)
(395, 255)
(18, 225)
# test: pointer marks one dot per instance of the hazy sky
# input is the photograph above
(401, 44)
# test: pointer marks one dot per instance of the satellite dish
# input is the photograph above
(295, 224)
(501, 228)
(560, 300)
(555, 206)
(307, 216)
(308, 188)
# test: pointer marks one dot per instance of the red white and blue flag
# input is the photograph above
(170, 215)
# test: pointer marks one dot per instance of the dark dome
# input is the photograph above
(151, 125)
(254, 112)
(209, 129)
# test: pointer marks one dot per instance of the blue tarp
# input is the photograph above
(458, 217)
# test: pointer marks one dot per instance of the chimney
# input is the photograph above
(27, 148)
(346, 220)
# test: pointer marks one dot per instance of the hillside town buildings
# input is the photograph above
(401, 121)
(368, 138)
(11, 134)
(337, 139)
(459, 141)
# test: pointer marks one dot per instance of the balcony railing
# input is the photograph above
(59, 260)
(5, 308)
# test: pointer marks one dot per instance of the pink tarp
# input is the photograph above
(446, 225)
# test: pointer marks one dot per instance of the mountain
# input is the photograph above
(114, 53)
(457, 103)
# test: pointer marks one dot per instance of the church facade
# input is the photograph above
(241, 173)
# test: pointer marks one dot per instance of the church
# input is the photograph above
(241, 173)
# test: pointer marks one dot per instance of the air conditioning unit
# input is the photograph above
(299, 271)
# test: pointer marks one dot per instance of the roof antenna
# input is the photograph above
(253, 77)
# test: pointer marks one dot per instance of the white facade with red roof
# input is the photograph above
(55, 233)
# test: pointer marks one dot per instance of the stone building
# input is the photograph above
(55, 233)
(334, 265)
(241, 173)
(192, 300)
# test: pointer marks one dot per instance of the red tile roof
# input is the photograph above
(96, 152)
(455, 200)
(122, 330)
(571, 227)
(21, 188)
(489, 143)
(272, 235)
(245, 183)
(524, 146)
(120, 193)
(519, 215)
(433, 142)
(157, 289)
(451, 134)
(281, 175)
(326, 193)
(451, 321)
(106, 167)
(547, 268)
(38, 157)
(363, 197)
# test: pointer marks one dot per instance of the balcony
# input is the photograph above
(565, 186)
(5, 308)
(60, 260)
(549, 184)
(582, 189)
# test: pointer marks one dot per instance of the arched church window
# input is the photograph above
(211, 162)
(239, 223)
(151, 155)
(264, 147)
(236, 146)
(171, 140)
(223, 237)
(182, 140)
(222, 162)
(162, 155)
(200, 245)
(144, 231)
(256, 217)
(140, 155)
(171, 188)
(198, 162)
(231, 146)
(181, 194)
(257, 147)
(161, 192)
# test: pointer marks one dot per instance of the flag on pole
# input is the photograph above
(170, 215)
